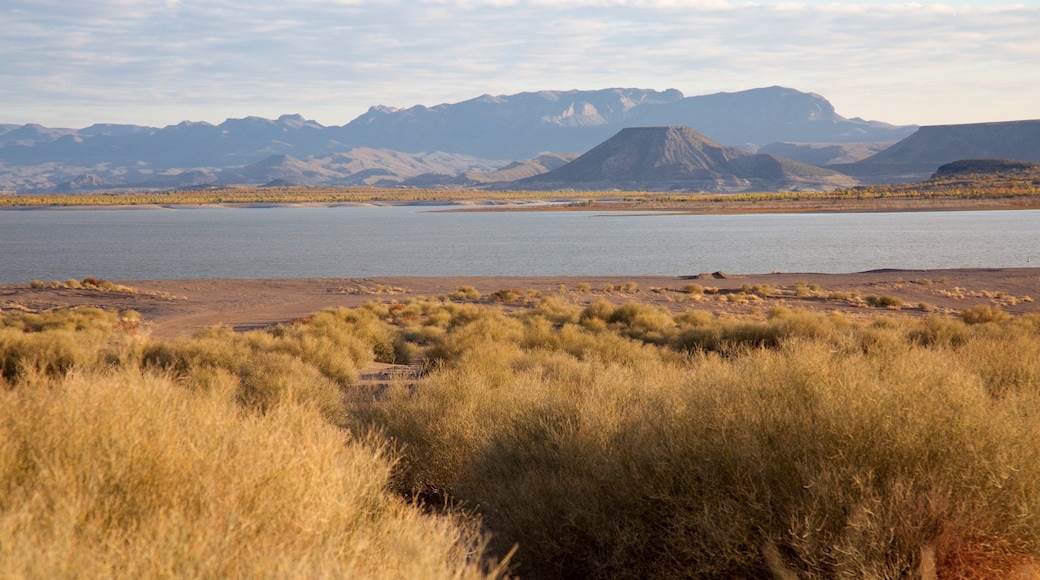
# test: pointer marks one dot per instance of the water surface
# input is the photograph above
(294, 242)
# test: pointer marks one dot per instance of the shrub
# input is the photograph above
(37, 284)
(984, 313)
(893, 302)
(508, 295)
(763, 290)
(940, 331)
(694, 318)
(693, 288)
(465, 293)
(600, 309)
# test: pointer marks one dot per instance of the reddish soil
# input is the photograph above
(176, 308)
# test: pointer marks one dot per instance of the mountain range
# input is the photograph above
(478, 135)
(493, 140)
(576, 121)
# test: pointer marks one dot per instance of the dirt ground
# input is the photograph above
(177, 308)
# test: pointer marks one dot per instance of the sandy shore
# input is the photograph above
(175, 308)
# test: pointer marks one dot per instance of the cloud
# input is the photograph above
(162, 61)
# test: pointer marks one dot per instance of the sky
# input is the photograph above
(73, 63)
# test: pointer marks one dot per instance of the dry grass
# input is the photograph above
(605, 440)
(118, 475)
(848, 447)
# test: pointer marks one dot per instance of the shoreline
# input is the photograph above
(808, 203)
(179, 308)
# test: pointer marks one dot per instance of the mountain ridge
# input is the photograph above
(495, 129)
(919, 155)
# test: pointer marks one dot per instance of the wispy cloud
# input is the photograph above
(161, 61)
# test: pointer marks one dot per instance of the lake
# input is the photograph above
(298, 242)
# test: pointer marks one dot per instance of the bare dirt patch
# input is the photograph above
(175, 308)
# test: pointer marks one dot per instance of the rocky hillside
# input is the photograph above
(680, 159)
(826, 153)
(919, 156)
(983, 167)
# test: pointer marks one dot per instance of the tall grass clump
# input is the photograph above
(51, 344)
(308, 362)
(465, 293)
(885, 301)
(127, 475)
(804, 445)
(984, 313)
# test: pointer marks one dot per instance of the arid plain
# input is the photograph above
(179, 308)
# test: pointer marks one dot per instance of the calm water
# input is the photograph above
(390, 241)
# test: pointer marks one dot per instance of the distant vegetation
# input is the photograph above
(601, 441)
(1019, 188)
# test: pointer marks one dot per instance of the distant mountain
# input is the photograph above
(279, 168)
(507, 127)
(368, 166)
(575, 121)
(178, 180)
(826, 153)
(758, 117)
(680, 159)
(517, 126)
(918, 156)
(85, 182)
(521, 169)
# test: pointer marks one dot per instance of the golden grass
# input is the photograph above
(604, 440)
(126, 475)
(847, 447)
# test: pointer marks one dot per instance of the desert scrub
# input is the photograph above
(803, 289)
(940, 330)
(51, 344)
(465, 293)
(307, 362)
(761, 290)
(693, 288)
(511, 295)
(606, 441)
(984, 313)
(886, 301)
(848, 461)
(129, 475)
